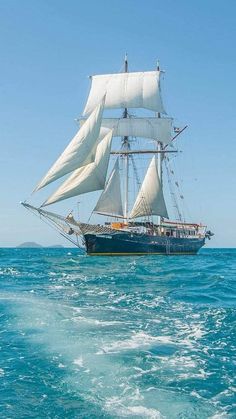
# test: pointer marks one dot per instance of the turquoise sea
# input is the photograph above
(117, 337)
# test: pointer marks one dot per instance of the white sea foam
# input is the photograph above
(197, 332)
(182, 362)
(9, 271)
(114, 404)
(202, 374)
(143, 412)
(95, 322)
(120, 298)
(138, 340)
(57, 287)
(141, 372)
(195, 394)
(61, 365)
(77, 309)
(79, 362)
(2, 372)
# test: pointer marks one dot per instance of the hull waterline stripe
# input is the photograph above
(141, 253)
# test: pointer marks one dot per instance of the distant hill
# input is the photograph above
(29, 244)
(38, 246)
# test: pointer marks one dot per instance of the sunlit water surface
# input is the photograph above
(137, 337)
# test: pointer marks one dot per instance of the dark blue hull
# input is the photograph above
(126, 243)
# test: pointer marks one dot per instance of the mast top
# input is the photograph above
(159, 67)
(126, 62)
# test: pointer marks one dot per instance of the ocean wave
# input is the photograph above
(116, 337)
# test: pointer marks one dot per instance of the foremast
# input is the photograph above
(126, 156)
(126, 147)
(159, 158)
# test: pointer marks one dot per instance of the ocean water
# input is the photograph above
(117, 337)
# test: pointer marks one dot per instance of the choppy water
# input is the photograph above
(136, 337)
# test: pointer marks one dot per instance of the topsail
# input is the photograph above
(126, 90)
(159, 129)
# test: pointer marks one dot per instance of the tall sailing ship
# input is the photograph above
(133, 224)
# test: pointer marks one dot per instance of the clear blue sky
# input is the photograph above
(49, 47)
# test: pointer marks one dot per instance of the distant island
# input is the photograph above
(37, 246)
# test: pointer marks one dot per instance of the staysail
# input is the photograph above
(110, 201)
(80, 151)
(150, 199)
(88, 178)
(126, 90)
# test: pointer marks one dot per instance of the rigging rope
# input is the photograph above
(56, 226)
(172, 193)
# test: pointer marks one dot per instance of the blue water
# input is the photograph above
(136, 337)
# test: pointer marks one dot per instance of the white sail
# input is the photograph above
(126, 90)
(156, 128)
(88, 178)
(110, 201)
(80, 151)
(150, 199)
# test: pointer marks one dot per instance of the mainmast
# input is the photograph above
(159, 157)
(126, 146)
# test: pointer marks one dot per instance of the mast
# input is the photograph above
(159, 157)
(126, 147)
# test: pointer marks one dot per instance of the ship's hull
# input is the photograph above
(126, 243)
